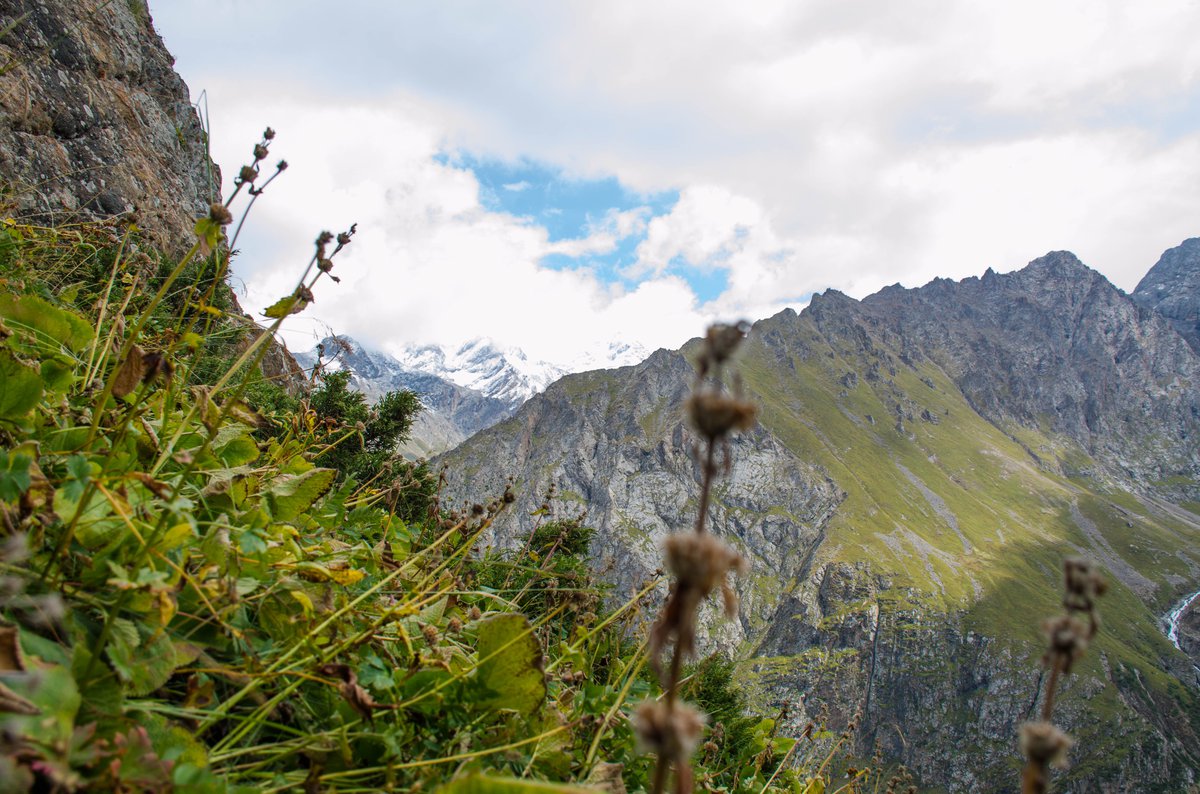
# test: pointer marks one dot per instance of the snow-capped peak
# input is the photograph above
(617, 354)
(506, 374)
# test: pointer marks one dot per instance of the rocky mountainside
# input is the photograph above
(452, 412)
(925, 460)
(94, 122)
(1172, 288)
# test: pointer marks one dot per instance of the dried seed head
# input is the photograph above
(722, 340)
(474, 613)
(701, 562)
(260, 152)
(454, 626)
(219, 213)
(670, 732)
(1083, 584)
(715, 415)
(1044, 744)
(1068, 639)
(268, 134)
(430, 633)
(248, 173)
(281, 165)
(476, 509)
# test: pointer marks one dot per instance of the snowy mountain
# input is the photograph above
(452, 411)
(504, 374)
(464, 390)
(617, 354)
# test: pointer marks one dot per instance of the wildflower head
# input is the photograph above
(220, 214)
(715, 415)
(671, 732)
(1044, 745)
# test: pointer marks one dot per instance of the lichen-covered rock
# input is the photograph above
(94, 122)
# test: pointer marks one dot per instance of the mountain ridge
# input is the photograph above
(925, 459)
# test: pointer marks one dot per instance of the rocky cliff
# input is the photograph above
(925, 460)
(1172, 288)
(94, 122)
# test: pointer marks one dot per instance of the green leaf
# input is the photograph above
(52, 691)
(20, 387)
(47, 321)
(291, 495)
(209, 232)
(14, 475)
(478, 783)
(238, 451)
(57, 376)
(145, 665)
(510, 672)
(281, 308)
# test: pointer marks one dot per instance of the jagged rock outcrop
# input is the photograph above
(925, 460)
(1172, 288)
(1053, 343)
(94, 122)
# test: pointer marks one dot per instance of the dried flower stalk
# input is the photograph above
(1067, 635)
(698, 562)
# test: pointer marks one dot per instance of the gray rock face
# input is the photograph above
(925, 459)
(94, 122)
(1172, 288)
(614, 444)
(1053, 343)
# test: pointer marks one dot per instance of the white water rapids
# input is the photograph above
(1175, 615)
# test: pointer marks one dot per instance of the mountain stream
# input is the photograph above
(1171, 621)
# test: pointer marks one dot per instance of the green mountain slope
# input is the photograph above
(926, 459)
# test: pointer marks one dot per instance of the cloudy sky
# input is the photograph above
(562, 175)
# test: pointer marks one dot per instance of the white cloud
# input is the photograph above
(813, 145)
(430, 263)
(516, 187)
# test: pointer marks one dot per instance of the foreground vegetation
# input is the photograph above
(212, 584)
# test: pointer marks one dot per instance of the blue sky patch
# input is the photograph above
(571, 209)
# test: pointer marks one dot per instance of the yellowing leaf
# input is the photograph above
(291, 495)
(176, 536)
(304, 600)
(510, 672)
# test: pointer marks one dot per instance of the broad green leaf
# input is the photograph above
(52, 691)
(478, 783)
(15, 478)
(57, 376)
(144, 666)
(20, 387)
(510, 671)
(291, 495)
(49, 322)
(238, 451)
